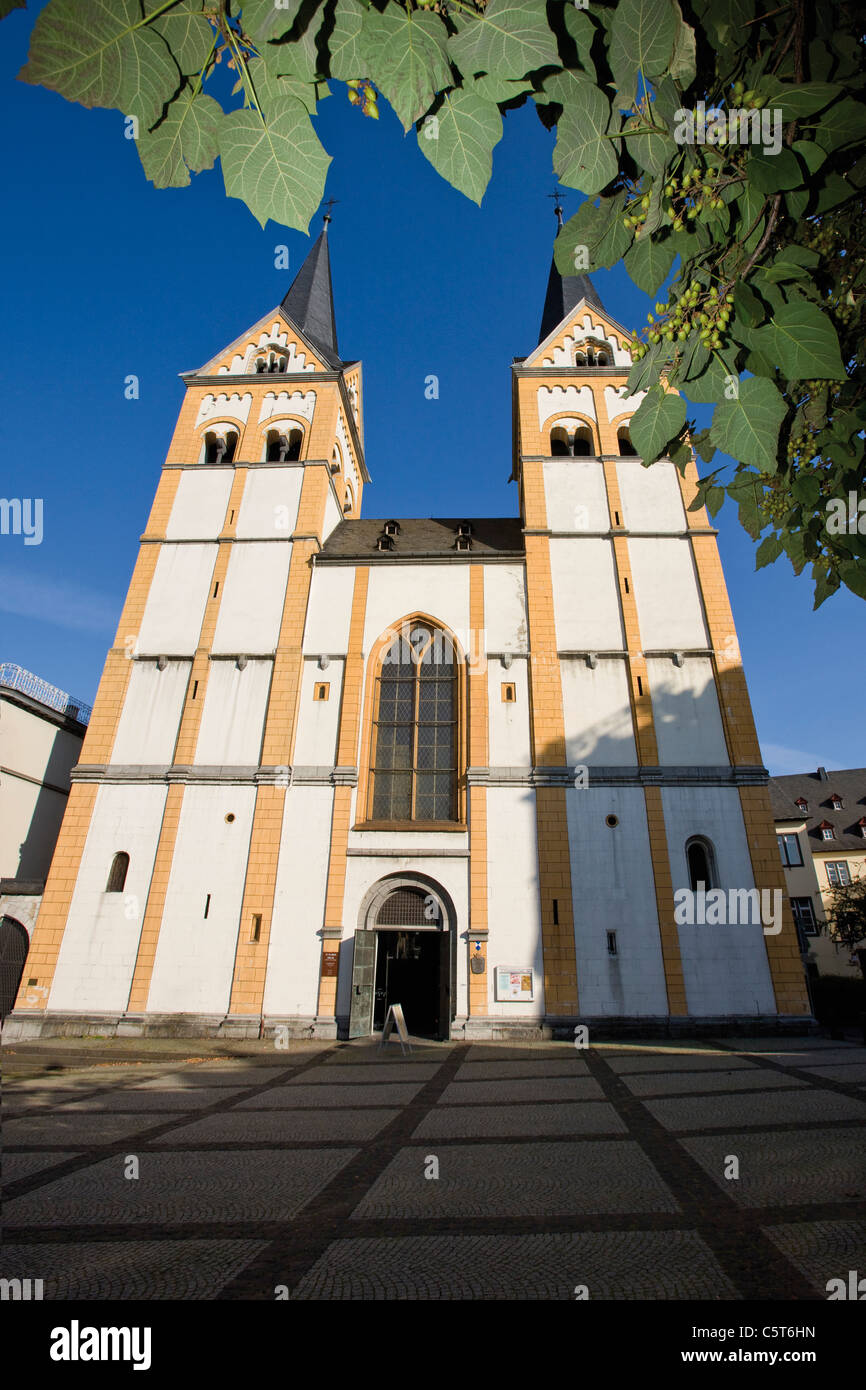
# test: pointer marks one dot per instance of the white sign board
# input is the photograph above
(394, 1018)
(514, 986)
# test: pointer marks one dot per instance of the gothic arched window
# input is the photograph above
(559, 443)
(582, 443)
(414, 738)
(220, 448)
(701, 862)
(283, 446)
(117, 876)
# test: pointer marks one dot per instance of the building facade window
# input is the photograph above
(701, 861)
(117, 875)
(827, 832)
(838, 873)
(623, 439)
(804, 916)
(414, 763)
(789, 849)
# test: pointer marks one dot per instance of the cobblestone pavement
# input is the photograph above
(341, 1171)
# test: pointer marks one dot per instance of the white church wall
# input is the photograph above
(553, 400)
(651, 497)
(505, 608)
(149, 723)
(269, 507)
(686, 714)
(318, 720)
(199, 508)
(509, 744)
(232, 721)
(441, 591)
(613, 889)
(100, 943)
(329, 610)
(599, 729)
(192, 971)
(725, 968)
(175, 604)
(252, 604)
(666, 593)
(513, 909)
(581, 568)
(575, 495)
(294, 952)
(333, 516)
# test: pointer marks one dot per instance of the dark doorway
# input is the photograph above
(14, 945)
(412, 969)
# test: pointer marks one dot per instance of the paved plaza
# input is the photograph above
(464, 1171)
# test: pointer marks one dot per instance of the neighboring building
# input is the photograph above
(41, 731)
(457, 764)
(821, 826)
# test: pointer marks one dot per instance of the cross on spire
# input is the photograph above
(557, 194)
(329, 204)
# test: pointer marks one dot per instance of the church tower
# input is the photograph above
(462, 764)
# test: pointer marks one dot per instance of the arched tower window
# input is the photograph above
(220, 448)
(117, 876)
(414, 743)
(283, 445)
(559, 443)
(702, 863)
(582, 443)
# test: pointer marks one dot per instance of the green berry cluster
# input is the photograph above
(706, 310)
(362, 93)
(691, 195)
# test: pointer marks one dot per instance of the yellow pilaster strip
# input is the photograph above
(664, 890)
(783, 950)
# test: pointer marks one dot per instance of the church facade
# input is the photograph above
(461, 764)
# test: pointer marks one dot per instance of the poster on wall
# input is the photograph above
(514, 986)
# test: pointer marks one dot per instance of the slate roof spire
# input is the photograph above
(564, 292)
(309, 302)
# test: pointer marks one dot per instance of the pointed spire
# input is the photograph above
(309, 302)
(564, 292)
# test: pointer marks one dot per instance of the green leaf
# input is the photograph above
(583, 157)
(710, 385)
(643, 34)
(344, 45)
(807, 489)
(748, 428)
(264, 20)
(186, 31)
(7, 6)
(853, 576)
(683, 63)
(768, 551)
(811, 154)
(95, 54)
(510, 39)
(583, 31)
(659, 417)
(793, 544)
(844, 124)
(187, 138)
(497, 89)
(272, 86)
(804, 99)
(649, 262)
(801, 338)
(704, 446)
(458, 140)
(405, 56)
(277, 169)
(747, 305)
(645, 372)
(652, 150)
(726, 19)
(772, 172)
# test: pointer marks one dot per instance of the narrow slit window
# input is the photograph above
(117, 874)
(509, 692)
(556, 912)
(207, 905)
(256, 927)
(611, 943)
(322, 690)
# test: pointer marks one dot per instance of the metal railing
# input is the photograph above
(16, 678)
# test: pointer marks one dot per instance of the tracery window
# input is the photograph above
(414, 742)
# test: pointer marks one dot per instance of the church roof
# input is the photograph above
(424, 537)
(564, 293)
(309, 301)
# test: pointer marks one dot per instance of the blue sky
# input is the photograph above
(105, 276)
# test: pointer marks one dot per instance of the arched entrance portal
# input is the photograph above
(14, 945)
(403, 955)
